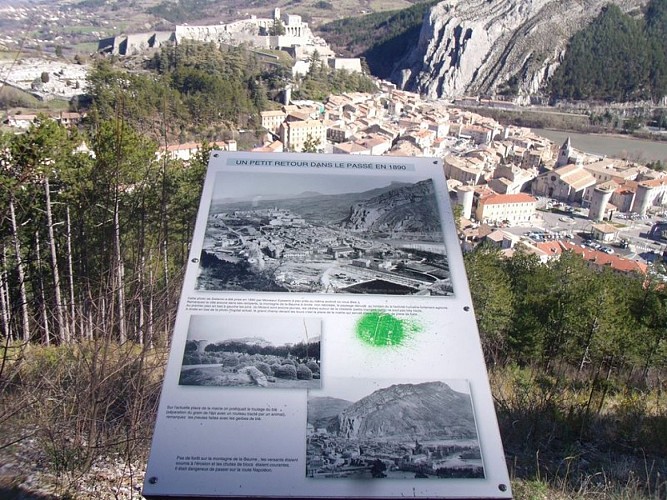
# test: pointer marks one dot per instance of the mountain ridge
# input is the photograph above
(406, 208)
(478, 46)
(428, 410)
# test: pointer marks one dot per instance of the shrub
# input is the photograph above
(264, 368)
(313, 366)
(81, 400)
(303, 373)
(230, 360)
(285, 371)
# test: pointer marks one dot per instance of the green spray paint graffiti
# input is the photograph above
(379, 329)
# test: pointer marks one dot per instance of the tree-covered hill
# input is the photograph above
(617, 58)
(381, 38)
(196, 90)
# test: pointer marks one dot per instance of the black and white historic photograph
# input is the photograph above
(252, 351)
(365, 428)
(361, 234)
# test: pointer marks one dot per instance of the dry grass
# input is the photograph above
(71, 409)
(558, 446)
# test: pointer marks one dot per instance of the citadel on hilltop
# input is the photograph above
(285, 32)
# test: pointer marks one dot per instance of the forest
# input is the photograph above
(94, 240)
(617, 58)
(577, 359)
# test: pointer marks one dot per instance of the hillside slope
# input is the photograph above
(483, 46)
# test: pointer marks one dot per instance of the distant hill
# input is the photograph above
(414, 411)
(617, 58)
(404, 209)
(323, 411)
(256, 341)
(318, 208)
(315, 12)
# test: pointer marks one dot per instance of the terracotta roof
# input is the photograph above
(576, 177)
(626, 185)
(566, 169)
(602, 259)
(275, 112)
(352, 147)
(550, 247)
(654, 182)
(603, 227)
(304, 124)
(509, 198)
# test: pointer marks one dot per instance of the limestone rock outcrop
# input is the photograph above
(411, 208)
(428, 410)
(477, 47)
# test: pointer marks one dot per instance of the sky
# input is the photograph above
(353, 389)
(276, 329)
(248, 185)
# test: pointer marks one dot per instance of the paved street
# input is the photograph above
(578, 226)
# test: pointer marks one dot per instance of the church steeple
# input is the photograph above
(565, 153)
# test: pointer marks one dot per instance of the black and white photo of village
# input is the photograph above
(401, 431)
(324, 234)
(260, 352)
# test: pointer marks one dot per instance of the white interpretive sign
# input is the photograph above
(325, 343)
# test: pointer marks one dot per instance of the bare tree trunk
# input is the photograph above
(102, 314)
(120, 277)
(91, 334)
(63, 328)
(165, 219)
(45, 316)
(142, 320)
(72, 302)
(21, 273)
(151, 318)
(4, 297)
(167, 295)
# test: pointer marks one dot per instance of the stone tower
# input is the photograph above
(464, 196)
(600, 199)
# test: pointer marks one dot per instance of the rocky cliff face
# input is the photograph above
(472, 47)
(411, 208)
(428, 410)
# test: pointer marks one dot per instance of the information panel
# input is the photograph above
(325, 343)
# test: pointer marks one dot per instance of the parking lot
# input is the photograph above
(572, 224)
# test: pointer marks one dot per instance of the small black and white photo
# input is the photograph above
(270, 232)
(273, 352)
(383, 429)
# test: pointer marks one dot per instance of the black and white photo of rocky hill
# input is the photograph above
(324, 234)
(252, 352)
(399, 431)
